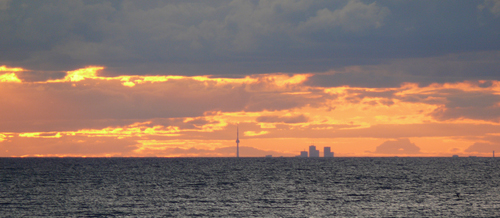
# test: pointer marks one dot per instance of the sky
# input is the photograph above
(119, 78)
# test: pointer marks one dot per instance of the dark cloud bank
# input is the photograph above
(396, 41)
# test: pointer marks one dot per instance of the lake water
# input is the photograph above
(258, 187)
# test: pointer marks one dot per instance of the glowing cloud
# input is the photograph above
(252, 133)
(10, 69)
(9, 77)
(81, 74)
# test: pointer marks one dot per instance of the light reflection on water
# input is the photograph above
(249, 187)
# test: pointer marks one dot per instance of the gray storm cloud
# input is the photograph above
(251, 37)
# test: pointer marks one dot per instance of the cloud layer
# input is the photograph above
(249, 37)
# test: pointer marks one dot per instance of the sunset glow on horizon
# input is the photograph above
(175, 79)
(279, 114)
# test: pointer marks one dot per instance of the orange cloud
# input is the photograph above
(141, 115)
(253, 133)
(10, 69)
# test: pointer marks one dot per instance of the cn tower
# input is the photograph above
(237, 142)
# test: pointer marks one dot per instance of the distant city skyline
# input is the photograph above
(313, 152)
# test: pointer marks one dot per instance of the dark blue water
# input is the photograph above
(288, 187)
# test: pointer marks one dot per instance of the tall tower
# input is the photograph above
(237, 142)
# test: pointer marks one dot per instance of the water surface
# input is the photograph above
(289, 187)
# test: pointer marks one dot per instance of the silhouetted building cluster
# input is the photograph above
(327, 152)
(315, 153)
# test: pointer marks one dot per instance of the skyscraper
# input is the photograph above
(313, 152)
(303, 154)
(237, 142)
(327, 152)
